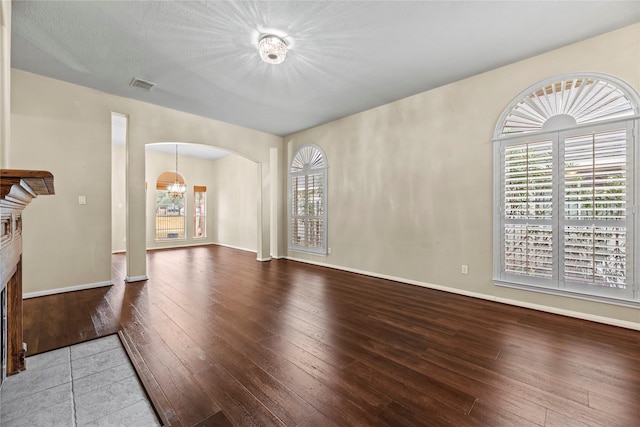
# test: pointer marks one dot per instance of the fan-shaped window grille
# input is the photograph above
(566, 102)
(308, 200)
(566, 188)
(308, 157)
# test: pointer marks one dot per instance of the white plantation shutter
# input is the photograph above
(595, 175)
(595, 255)
(307, 200)
(529, 250)
(595, 208)
(566, 198)
(528, 193)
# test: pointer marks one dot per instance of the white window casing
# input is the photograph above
(566, 190)
(199, 212)
(307, 207)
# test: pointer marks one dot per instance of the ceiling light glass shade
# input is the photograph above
(272, 49)
(176, 190)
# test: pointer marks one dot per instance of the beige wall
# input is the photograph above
(5, 80)
(66, 129)
(410, 183)
(65, 244)
(231, 200)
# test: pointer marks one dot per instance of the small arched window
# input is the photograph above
(566, 189)
(308, 200)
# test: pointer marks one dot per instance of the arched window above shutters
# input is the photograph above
(308, 157)
(563, 102)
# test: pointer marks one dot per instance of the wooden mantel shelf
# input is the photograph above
(35, 183)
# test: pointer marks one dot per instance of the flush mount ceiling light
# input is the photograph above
(272, 49)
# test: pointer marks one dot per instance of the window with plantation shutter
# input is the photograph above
(528, 209)
(308, 200)
(199, 211)
(566, 190)
(595, 208)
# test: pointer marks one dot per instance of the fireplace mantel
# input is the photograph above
(17, 189)
(34, 183)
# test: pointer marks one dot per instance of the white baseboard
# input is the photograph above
(236, 247)
(204, 244)
(264, 259)
(130, 279)
(190, 245)
(539, 307)
(67, 289)
(173, 246)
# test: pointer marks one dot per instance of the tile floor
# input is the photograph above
(88, 384)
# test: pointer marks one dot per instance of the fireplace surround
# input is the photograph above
(17, 189)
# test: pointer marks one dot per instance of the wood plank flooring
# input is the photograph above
(228, 340)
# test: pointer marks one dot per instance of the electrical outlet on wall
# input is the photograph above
(465, 269)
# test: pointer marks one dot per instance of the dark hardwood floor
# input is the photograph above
(221, 338)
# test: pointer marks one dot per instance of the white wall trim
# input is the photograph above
(263, 259)
(539, 307)
(67, 289)
(237, 247)
(159, 248)
(187, 245)
(129, 279)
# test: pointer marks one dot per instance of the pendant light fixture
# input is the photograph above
(176, 190)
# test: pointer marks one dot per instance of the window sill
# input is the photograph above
(569, 294)
(321, 253)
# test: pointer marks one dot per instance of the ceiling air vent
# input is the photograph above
(142, 84)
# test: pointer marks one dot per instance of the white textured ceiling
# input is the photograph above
(345, 56)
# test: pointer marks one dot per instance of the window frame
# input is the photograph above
(183, 216)
(162, 182)
(306, 171)
(557, 285)
(199, 189)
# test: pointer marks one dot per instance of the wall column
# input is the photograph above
(276, 198)
(136, 210)
(264, 206)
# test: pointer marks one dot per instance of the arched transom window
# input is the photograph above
(565, 103)
(308, 200)
(566, 189)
